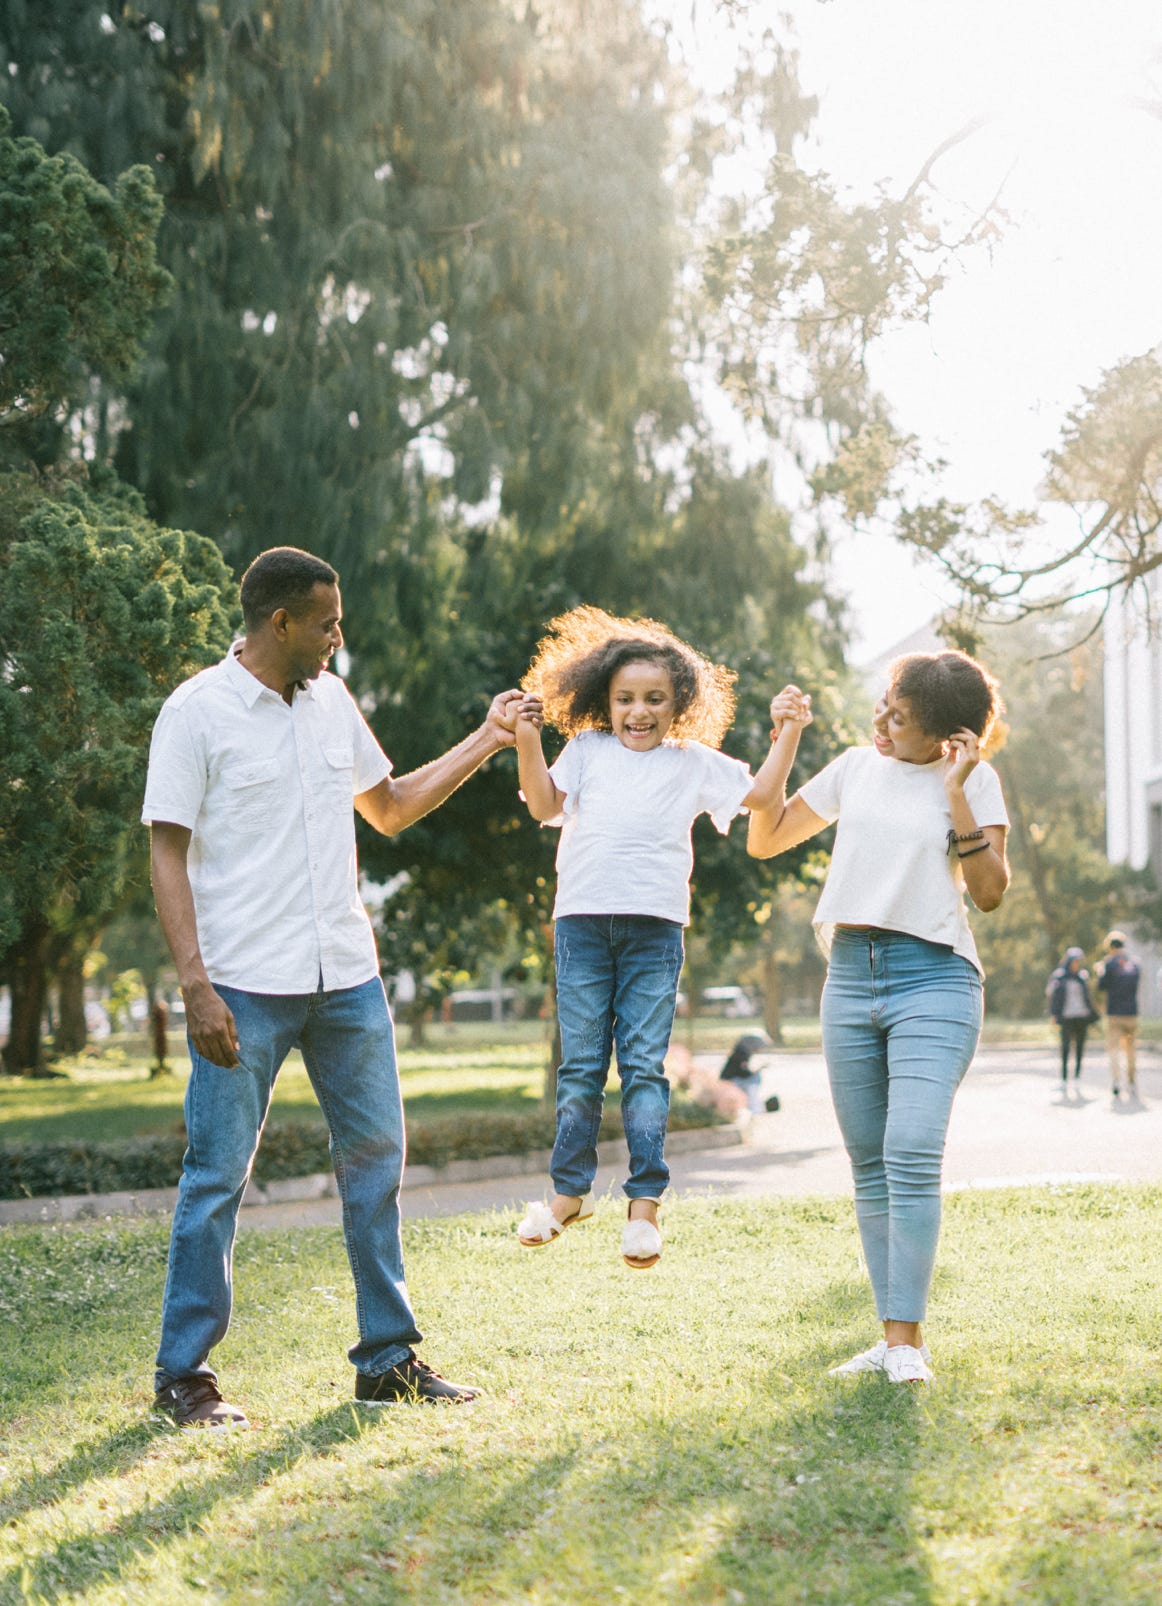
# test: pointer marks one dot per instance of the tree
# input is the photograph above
(1064, 890)
(101, 613)
(1107, 467)
(78, 281)
(409, 242)
(434, 312)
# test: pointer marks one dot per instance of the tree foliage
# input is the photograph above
(78, 276)
(1107, 468)
(404, 235)
(101, 613)
(435, 320)
(1064, 890)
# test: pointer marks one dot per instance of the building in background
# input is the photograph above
(1133, 750)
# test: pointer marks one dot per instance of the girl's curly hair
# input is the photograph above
(583, 649)
(948, 691)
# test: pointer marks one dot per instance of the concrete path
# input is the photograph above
(1010, 1125)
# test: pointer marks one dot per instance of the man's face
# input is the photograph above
(312, 635)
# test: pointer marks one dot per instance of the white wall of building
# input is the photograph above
(1133, 751)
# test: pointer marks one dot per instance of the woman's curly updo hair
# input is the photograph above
(948, 691)
(583, 649)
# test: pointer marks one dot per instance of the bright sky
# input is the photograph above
(1073, 285)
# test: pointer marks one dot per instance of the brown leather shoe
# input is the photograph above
(411, 1383)
(195, 1402)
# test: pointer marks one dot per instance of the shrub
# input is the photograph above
(289, 1149)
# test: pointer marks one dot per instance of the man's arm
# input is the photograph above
(208, 1018)
(395, 804)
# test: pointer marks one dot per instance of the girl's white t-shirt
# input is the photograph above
(625, 844)
(891, 865)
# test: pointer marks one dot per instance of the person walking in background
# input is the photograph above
(644, 714)
(921, 819)
(1117, 978)
(256, 769)
(1072, 1008)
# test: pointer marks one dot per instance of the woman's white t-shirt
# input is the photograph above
(625, 844)
(891, 865)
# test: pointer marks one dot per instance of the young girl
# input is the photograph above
(644, 714)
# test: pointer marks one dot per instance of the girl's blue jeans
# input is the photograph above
(617, 982)
(348, 1047)
(901, 1018)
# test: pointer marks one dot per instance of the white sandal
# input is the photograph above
(641, 1244)
(541, 1227)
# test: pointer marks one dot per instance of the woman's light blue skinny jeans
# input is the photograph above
(901, 1018)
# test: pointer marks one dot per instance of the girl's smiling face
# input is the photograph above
(641, 705)
(898, 735)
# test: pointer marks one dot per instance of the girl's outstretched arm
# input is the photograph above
(776, 825)
(542, 798)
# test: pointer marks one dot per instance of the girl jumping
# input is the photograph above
(643, 714)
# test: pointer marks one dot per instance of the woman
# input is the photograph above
(1072, 1008)
(920, 819)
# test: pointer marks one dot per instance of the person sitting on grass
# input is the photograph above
(644, 714)
(921, 819)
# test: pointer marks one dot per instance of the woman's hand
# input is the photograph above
(961, 756)
(792, 705)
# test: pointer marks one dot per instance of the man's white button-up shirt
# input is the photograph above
(266, 788)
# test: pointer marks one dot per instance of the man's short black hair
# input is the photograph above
(281, 577)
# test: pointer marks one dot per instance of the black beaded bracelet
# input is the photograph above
(969, 836)
(971, 851)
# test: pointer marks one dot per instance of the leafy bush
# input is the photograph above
(289, 1149)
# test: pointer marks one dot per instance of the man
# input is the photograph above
(253, 768)
(1117, 978)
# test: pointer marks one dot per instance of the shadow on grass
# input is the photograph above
(100, 1559)
(782, 1506)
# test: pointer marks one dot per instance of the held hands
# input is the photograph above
(530, 711)
(961, 756)
(790, 706)
(510, 710)
(500, 721)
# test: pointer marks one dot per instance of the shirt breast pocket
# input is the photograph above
(340, 772)
(252, 793)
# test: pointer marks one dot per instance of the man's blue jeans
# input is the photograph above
(348, 1046)
(617, 981)
(901, 1018)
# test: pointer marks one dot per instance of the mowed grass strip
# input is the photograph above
(670, 1436)
(102, 1102)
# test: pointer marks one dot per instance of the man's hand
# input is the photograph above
(502, 715)
(210, 1024)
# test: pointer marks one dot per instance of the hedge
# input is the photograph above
(289, 1149)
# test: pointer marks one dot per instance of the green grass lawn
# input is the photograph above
(660, 1437)
(106, 1098)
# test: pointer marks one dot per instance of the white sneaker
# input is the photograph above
(904, 1364)
(872, 1360)
(868, 1360)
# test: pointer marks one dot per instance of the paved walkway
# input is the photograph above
(1010, 1125)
